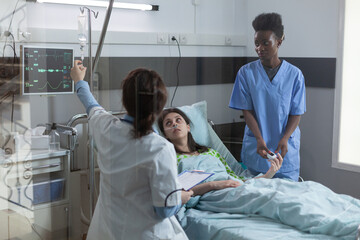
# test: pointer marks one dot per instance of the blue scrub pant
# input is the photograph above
(293, 175)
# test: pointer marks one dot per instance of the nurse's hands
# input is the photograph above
(78, 71)
(261, 148)
(282, 147)
(275, 165)
(186, 195)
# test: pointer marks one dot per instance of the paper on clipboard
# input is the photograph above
(189, 179)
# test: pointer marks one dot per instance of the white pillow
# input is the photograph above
(197, 113)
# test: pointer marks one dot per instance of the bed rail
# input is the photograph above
(72, 123)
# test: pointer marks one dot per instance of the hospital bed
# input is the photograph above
(210, 225)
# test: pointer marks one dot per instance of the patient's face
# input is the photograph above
(175, 127)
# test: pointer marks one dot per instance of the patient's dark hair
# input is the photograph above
(144, 96)
(269, 21)
(193, 146)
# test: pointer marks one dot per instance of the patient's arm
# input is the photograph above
(214, 185)
(274, 167)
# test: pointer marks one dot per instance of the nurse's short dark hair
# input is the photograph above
(144, 97)
(269, 21)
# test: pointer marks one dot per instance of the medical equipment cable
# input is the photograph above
(180, 189)
(177, 70)
(13, 46)
(9, 73)
(8, 33)
(13, 15)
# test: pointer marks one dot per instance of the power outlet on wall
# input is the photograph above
(228, 40)
(23, 35)
(183, 39)
(172, 38)
(162, 38)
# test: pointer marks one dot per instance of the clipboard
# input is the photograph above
(189, 179)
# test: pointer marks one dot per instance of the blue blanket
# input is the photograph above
(206, 225)
(307, 206)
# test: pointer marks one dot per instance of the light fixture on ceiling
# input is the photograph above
(90, 3)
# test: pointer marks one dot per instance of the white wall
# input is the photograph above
(310, 27)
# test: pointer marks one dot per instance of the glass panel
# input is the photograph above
(39, 43)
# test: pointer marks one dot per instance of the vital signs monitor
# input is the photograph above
(46, 70)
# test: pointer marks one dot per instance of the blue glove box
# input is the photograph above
(48, 191)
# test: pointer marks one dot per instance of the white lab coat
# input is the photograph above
(136, 174)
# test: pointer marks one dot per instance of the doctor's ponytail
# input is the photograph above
(144, 97)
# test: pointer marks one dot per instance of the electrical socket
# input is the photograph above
(183, 38)
(161, 38)
(228, 40)
(23, 34)
(171, 41)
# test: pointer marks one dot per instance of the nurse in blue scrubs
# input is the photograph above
(271, 94)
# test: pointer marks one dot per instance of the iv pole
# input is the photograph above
(92, 66)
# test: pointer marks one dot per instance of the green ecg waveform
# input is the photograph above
(50, 86)
(50, 70)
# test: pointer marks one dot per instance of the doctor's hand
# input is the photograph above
(78, 71)
(261, 148)
(274, 167)
(185, 196)
(283, 147)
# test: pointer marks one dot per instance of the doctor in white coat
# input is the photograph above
(139, 191)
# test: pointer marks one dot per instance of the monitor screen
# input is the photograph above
(46, 70)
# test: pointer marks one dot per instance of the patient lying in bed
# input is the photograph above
(307, 206)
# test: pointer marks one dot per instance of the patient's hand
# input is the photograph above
(218, 185)
(275, 166)
(186, 195)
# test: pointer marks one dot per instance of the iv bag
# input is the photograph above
(82, 28)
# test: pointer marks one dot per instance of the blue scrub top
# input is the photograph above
(272, 102)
